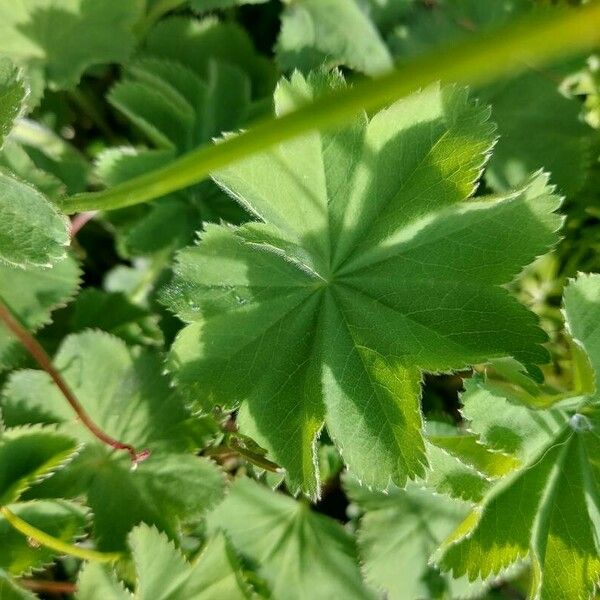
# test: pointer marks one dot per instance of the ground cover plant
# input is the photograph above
(299, 299)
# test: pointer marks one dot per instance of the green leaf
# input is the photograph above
(527, 103)
(561, 143)
(425, 29)
(52, 156)
(111, 312)
(32, 231)
(469, 449)
(62, 520)
(397, 533)
(505, 426)
(301, 554)
(461, 465)
(14, 158)
(28, 455)
(125, 394)
(164, 574)
(96, 582)
(336, 31)
(195, 43)
(545, 511)
(12, 95)
(386, 13)
(451, 477)
(57, 41)
(32, 294)
(582, 311)
(371, 266)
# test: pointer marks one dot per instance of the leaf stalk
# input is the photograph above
(39, 355)
(45, 539)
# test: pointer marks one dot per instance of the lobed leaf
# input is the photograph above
(369, 266)
(300, 554)
(398, 532)
(32, 294)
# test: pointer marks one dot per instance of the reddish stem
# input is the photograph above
(78, 221)
(49, 587)
(39, 354)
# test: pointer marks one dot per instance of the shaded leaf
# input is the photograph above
(521, 105)
(57, 41)
(314, 32)
(32, 294)
(12, 95)
(547, 510)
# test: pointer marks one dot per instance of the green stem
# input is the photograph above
(53, 543)
(478, 61)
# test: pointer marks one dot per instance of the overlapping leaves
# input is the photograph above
(36, 275)
(125, 394)
(368, 266)
(192, 82)
(546, 511)
(397, 534)
(29, 455)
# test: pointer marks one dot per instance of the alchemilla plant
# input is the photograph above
(299, 299)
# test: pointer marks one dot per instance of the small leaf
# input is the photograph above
(28, 455)
(32, 231)
(301, 554)
(337, 31)
(32, 294)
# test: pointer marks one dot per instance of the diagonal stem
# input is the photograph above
(39, 354)
(533, 41)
